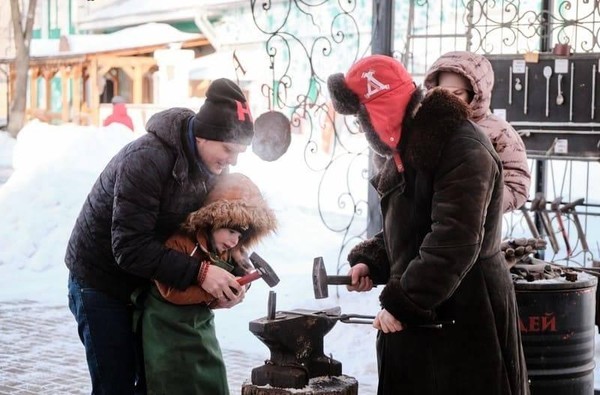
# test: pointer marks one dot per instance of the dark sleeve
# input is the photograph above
(372, 253)
(140, 178)
(194, 294)
(465, 180)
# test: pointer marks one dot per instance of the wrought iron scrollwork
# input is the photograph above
(306, 42)
(309, 40)
(519, 26)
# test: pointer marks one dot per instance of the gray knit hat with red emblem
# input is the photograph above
(225, 115)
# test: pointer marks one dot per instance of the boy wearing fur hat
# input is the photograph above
(141, 197)
(448, 323)
(181, 350)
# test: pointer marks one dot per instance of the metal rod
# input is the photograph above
(534, 232)
(510, 77)
(272, 303)
(363, 319)
(593, 91)
(526, 89)
(571, 92)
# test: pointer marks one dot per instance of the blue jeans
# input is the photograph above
(111, 347)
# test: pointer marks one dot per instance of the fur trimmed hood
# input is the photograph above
(475, 68)
(235, 202)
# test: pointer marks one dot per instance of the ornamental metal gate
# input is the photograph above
(307, 40)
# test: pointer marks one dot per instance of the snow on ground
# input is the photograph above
(54, 168)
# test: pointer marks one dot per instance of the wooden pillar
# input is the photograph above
(94, 94)
(48, 96)
(33, 90)
(64, 81)
(147, 83)
(76, 102)
(138, 82)
(134, 72)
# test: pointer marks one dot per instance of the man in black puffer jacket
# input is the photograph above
(137, 202)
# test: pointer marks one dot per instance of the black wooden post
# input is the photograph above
(540, 164)
(382, 36)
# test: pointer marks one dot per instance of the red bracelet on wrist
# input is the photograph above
(203, 271)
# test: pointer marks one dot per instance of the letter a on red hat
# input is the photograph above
(384, 86)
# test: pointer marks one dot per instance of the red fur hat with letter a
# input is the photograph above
(378, 90)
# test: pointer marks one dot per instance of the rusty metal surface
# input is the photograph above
(295, 340)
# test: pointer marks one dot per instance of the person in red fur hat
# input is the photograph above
(448, 322)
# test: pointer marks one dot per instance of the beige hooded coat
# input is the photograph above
(506, 141)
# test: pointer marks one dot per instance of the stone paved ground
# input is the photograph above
(40, 353)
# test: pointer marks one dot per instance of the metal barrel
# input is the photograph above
(557, 324)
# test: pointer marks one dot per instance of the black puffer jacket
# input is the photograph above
(439, 256)
(139, 200)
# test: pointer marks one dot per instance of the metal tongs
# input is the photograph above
(348, 318)
(365, 319)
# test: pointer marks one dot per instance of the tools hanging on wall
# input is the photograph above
(536, 94)
(565, 218)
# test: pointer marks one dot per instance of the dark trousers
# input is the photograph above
(111, 347)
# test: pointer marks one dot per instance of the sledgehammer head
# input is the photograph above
(319, 277)
(266, 271)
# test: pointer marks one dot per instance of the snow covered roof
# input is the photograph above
(150, 34)
(133, 12)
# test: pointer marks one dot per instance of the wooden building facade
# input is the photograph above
(69, 83)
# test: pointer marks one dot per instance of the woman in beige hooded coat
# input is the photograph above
(470, 76)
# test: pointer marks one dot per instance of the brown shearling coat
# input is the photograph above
(439, 258)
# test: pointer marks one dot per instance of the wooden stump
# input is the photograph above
(326, 385)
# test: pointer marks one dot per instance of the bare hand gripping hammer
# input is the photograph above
(321, 279)
(262, 270)
(320, 282)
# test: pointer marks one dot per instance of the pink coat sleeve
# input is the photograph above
(515, 169)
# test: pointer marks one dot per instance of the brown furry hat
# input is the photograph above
(235, 202)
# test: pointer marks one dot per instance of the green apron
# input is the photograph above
(181, 351)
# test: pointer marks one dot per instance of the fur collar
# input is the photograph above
(425, 133)
(436, 118)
